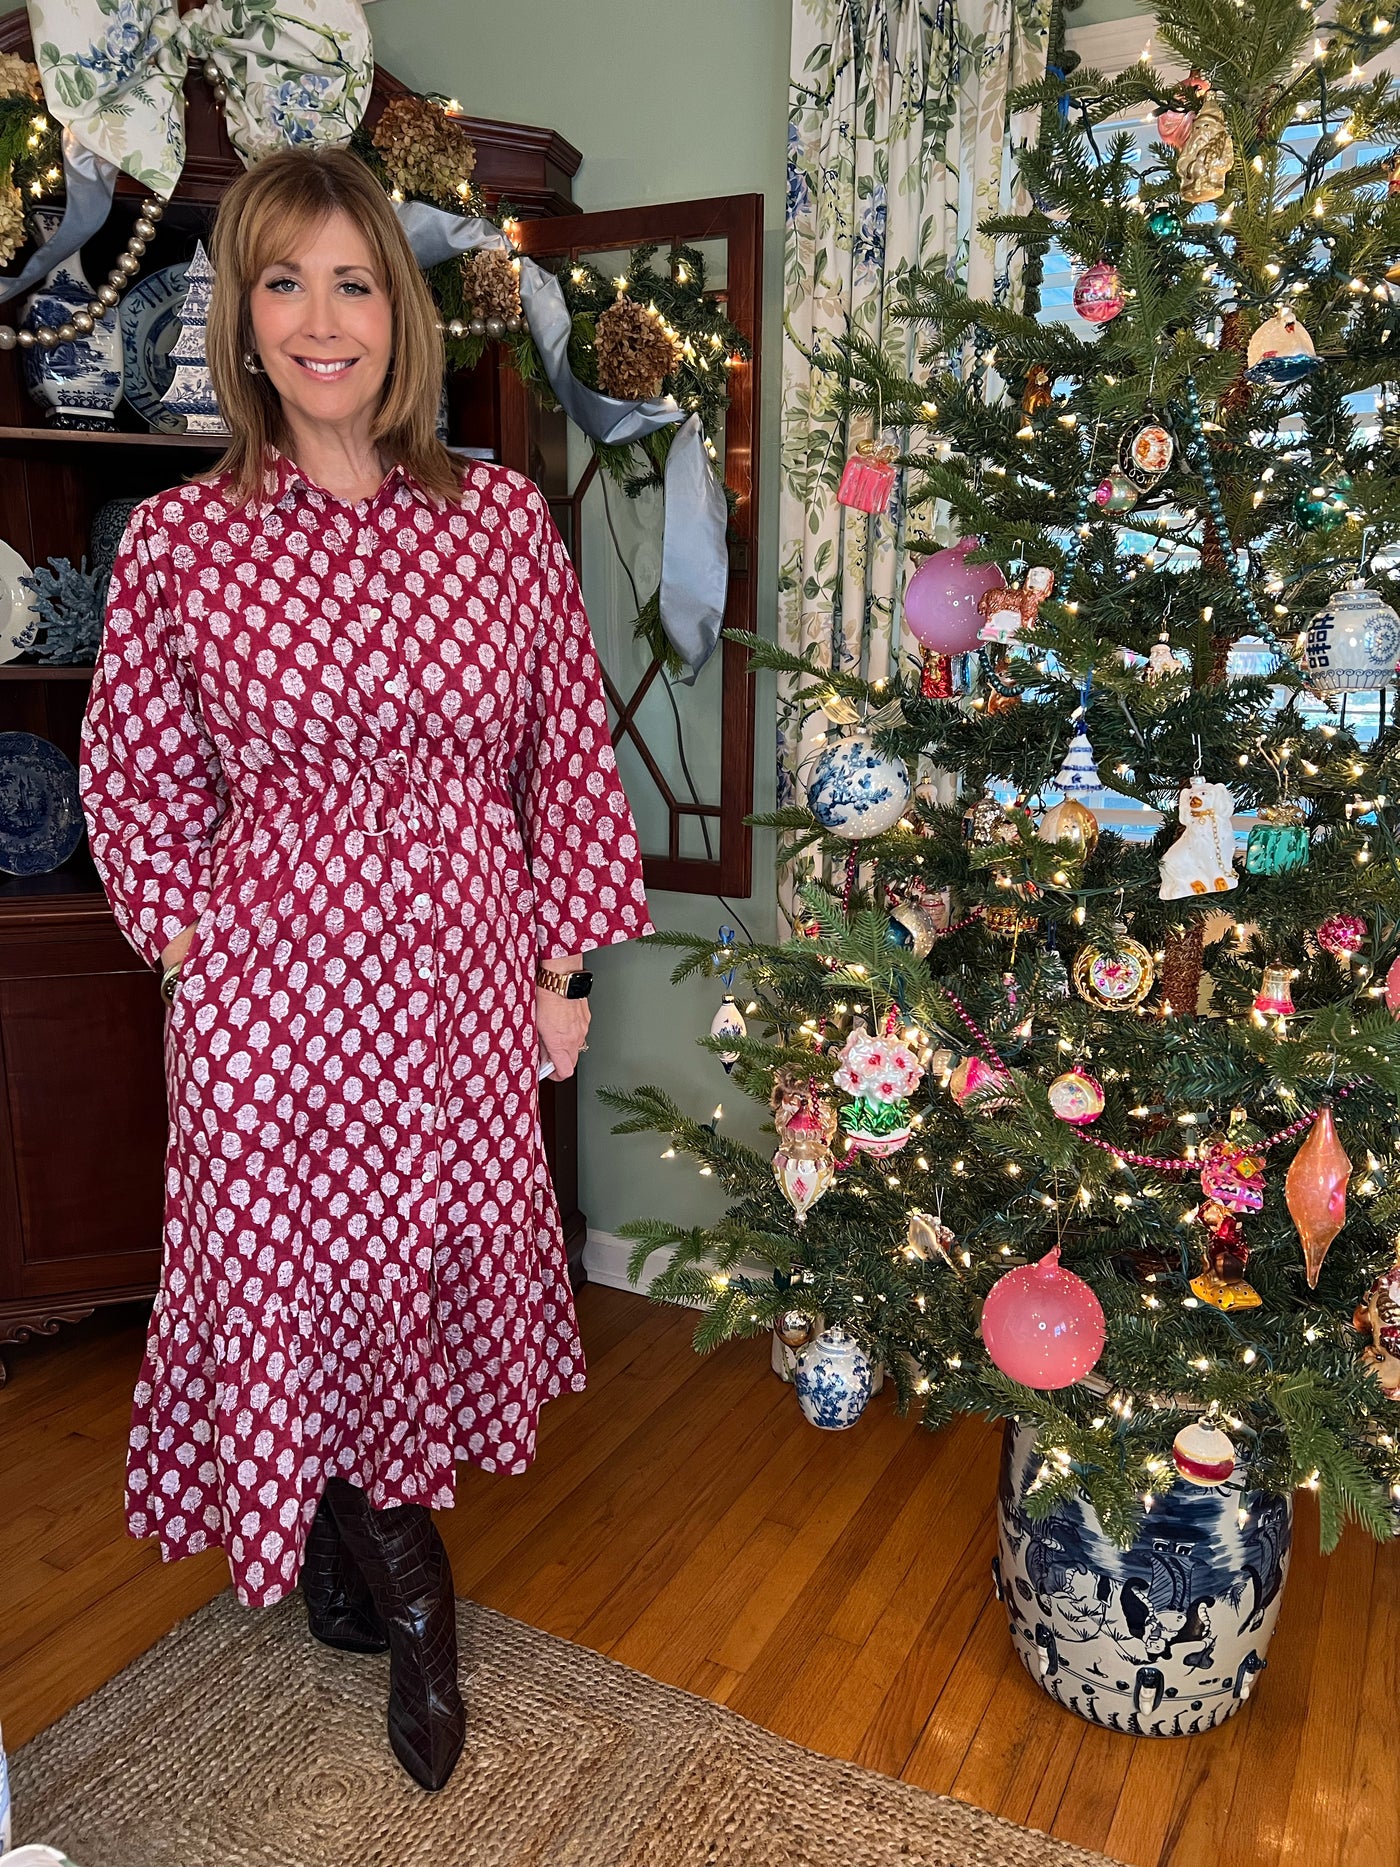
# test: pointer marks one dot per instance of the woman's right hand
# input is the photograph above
(179, 946)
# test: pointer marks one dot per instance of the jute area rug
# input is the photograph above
(237, 1741)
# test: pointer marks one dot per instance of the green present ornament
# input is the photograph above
(1164, 224)
(1278, 843)
(1322, 506)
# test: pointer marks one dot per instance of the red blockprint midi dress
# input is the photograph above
(365, 748)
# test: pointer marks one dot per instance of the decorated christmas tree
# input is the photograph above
(1083, 1054)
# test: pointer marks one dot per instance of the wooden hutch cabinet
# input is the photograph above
(82, 1094)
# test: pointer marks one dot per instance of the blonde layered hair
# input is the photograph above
(264, 218)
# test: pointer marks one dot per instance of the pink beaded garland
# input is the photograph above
(1042, 1325)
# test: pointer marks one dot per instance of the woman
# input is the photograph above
(348, 780)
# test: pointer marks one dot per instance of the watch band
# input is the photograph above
(169, 979)
(575, 984)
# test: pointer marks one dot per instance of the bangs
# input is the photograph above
(270, 215)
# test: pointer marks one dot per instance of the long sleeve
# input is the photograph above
(152, 787)
(580, 837)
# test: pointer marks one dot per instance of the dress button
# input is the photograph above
(422, 906)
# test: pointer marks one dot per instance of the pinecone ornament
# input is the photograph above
(18, 78)
(636, 352)
(491, 283)
(424, 151)
(11, 222)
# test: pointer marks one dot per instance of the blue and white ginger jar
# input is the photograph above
(77, 384)
(1353, 643)
(1162, 1639)
(855, 790)
(834, 1379)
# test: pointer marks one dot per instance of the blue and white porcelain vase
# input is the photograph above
(77, 384)
(834, 1379)
(1162, 1639)
(1353, 642)
(856, 790)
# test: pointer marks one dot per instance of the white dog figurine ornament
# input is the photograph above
(1202, 859)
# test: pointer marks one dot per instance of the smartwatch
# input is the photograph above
(566, 984)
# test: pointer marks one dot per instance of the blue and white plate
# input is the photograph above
(41, 811)
(150, 322)
(19, 613)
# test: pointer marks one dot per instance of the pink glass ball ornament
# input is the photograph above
(1342, 935)
(1042, 1325)
(940, 604)
(1098, 293)
(1392, 989)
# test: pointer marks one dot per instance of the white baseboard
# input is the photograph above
(605, 1259)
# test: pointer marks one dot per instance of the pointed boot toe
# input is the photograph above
(429, 1750)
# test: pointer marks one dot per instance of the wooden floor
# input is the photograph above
(684, 1518)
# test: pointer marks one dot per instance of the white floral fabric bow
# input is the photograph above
(114, 74)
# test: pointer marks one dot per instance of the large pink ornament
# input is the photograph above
(1316, 1190)
(1042, 1325)
(940, 604)
(1392, 989)
(1098, 293)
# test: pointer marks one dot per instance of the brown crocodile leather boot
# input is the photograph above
(402, 1559)
(339, 1607)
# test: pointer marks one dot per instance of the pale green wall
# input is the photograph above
(668, 100)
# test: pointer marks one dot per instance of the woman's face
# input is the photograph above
(323, 327)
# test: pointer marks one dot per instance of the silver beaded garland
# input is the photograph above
(106, 296)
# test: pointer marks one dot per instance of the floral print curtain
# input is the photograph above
(899, 141)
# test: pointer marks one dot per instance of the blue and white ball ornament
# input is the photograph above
(1353, 644)
(856, 790)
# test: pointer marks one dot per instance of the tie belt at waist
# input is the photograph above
(390, 792)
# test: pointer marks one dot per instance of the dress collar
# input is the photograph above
(283, 481)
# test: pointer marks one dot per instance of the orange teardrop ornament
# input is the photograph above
(1316, 1190)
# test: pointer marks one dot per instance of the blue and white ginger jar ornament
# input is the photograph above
(77, 384)
(834, 1379)
(855, 790)
(1353, 644)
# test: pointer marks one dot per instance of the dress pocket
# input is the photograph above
(189, 990)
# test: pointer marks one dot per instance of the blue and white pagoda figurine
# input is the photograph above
(191, 392)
